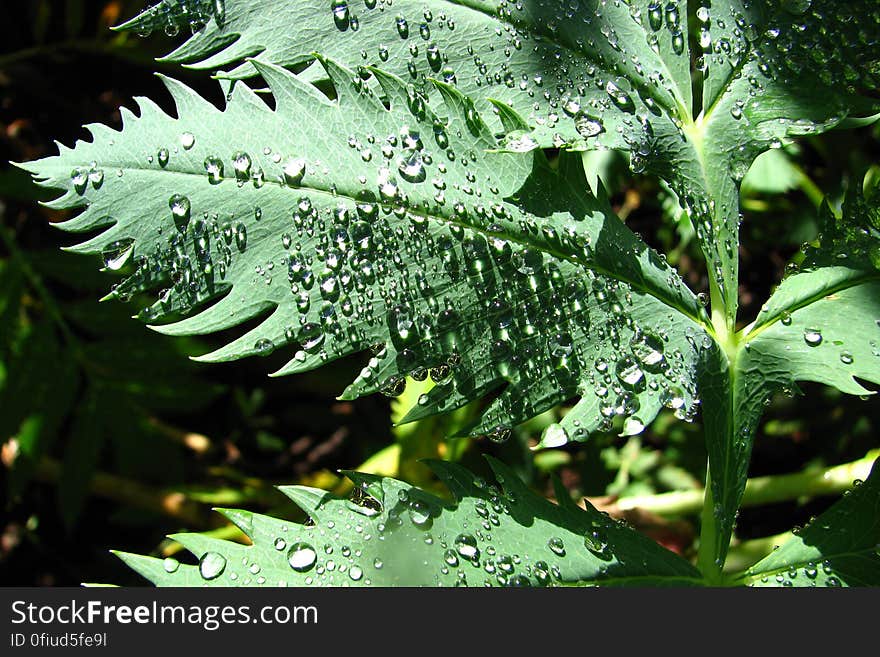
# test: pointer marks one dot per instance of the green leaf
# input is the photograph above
(839, 548)
(821, 324)
(397, 535)
(773, 172)
(591, 75)
(585, 76)
(773, 70)
(386, 228)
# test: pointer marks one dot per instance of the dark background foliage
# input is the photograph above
(112, 438)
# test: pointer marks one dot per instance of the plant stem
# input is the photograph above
(171, 503)
(705, 560)
(723, 323)
(811, 482)
(810, 188)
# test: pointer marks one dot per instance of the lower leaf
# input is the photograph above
(392, 534)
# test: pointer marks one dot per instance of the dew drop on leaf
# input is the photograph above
(180, 211)
(556, 546)
(264, 347)
(214, 169)
(813, 337)
(628, 372)
(466, 546)
(294, 171)
(115, 255)
(79, 177)
(655, 16)
(241, 163)
(302, 557)
(341, 16)
(212, 565)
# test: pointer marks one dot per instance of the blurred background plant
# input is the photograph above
(111, 436)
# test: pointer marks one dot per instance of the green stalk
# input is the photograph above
(812, 482)
(725, 335)
(708, 537)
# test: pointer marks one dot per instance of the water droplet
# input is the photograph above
(96, 177)
(214, 169)
(655, 16)
(648, 349)
(846, 358)
(588, 126)
(629, 373)
(528, 261)
(311, 336)
(796, 6)
(413, 169)
(341, 16)
(212, 565)
(620, 98)
(420, 515)
(813, 337)
(264, 347)
(294, 171)
(393, 386)
(241, 163)
(80, 178)
(187, 140)
(116, 254)
(673, 398)
(466, 546)
(562, 344)
(180, 211)
(678, 43)
(596, 543)
(170, 565)
(432, 53)
(633, 426)
(556, 546)
(241, 236)
(302, 557)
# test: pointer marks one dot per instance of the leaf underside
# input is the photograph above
(590, 75)
(389, 229)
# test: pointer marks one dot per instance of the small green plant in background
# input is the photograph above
(424, 189)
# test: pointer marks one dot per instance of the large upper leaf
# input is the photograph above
(821, 324)
(839, 548)
(591, 74)
(345, 225)
(397, 535)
